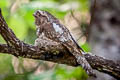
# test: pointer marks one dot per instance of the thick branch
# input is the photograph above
(5, 49)
(51, 51)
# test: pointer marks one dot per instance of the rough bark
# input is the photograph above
(51, 51)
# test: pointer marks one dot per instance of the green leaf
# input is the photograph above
(86, 47)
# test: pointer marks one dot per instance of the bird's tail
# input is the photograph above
(78, 53)
(84, 64)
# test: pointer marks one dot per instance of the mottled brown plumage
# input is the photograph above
(50, 27)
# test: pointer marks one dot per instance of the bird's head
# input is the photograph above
(42, 17)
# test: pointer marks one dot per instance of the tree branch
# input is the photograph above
(51, 51)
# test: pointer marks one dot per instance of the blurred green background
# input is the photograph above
(18, 15)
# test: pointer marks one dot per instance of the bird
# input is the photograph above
(49, 26)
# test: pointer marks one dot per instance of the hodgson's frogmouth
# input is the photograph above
(50, 27)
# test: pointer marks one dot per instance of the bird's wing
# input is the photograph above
(78, 46)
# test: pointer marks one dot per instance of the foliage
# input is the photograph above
(18, 14)
(61, 74)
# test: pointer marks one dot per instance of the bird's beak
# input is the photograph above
(35, 15)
